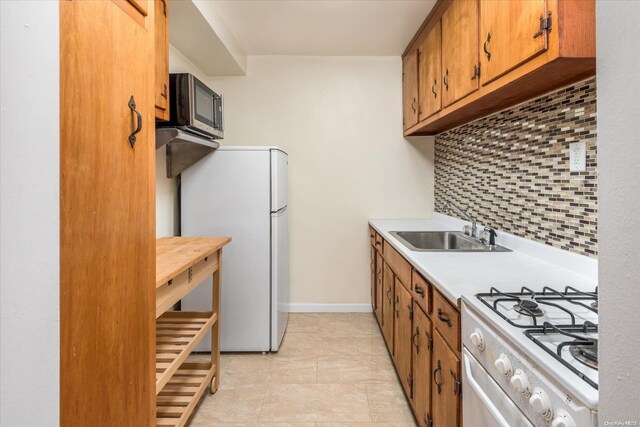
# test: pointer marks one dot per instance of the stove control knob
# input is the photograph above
(477, 339)
(520, 382)
(503, 365)
(541, 404)
(563, 419)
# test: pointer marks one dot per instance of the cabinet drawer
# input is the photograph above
(208, 263)
(398, 264)
(447, 320)
(421, 291)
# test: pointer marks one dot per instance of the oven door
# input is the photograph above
(485, 404)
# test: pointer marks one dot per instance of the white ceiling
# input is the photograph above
(329, 27)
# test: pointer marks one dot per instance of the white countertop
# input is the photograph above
(530, 264)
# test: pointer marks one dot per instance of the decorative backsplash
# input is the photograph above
(510, 170)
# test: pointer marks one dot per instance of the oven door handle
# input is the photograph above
(483, 396)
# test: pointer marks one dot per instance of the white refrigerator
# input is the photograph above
(241, 192)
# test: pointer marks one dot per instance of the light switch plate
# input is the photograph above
(578, 156)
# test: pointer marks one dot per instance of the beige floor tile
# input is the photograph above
(388, 403)
(304, 322)
(270, 369)
(207, 424)
(240, 404)
(349, 324)
(371, 424)
(359, 368)
(313, 345)
(372, 344)
(316, 403)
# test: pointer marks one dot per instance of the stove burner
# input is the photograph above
(586, 352)
(529, 308)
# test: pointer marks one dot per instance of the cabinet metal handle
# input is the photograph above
(418, 290)
(484, 46)
(164, 93)
(413, 340)
(429, 340)
(413, 105)
(433, 89)
(389, 296)
(445, 80)
(435, 377)
(396, 306)
(164, 7)
(132, 137)
(443, 317)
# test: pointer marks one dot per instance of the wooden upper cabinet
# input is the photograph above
(498, 53)
(429, 73)
(403, 312)
(459, 50)
(410, 89)
(510, 34)
(162, 58)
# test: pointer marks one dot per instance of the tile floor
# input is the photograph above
(333, 369)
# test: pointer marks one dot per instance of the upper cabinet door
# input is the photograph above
(429, 73)
(410, 89)
(511, 34)
(162, 59)
(459, 50)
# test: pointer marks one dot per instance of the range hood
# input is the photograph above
(183, 148)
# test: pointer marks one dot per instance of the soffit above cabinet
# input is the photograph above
(198, 31)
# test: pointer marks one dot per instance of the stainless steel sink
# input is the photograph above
(443, 241)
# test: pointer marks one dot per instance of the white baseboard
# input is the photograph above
(329, 308)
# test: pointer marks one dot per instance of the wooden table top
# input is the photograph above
(176, 254)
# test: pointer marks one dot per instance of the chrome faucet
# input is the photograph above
(474, 227)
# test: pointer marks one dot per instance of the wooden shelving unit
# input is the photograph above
(177, 334)
(181, 394)
(182, 263)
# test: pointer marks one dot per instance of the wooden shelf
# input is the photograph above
(181, 394)
(177, 334)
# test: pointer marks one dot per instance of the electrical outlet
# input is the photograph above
(578, 156)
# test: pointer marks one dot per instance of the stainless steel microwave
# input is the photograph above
(194, 107)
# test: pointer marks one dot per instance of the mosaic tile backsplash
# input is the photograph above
(510, 170)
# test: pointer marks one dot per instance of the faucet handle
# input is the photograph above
(467, 230)
(492, 235)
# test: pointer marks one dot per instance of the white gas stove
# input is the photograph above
(530, 358)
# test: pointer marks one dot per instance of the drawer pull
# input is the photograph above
(443, 317)
(418, 290)
(435, 377)
(397, 310)
(457, 385)
(389, 294)
(413, 340)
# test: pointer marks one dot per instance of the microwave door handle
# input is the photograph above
(221, 113)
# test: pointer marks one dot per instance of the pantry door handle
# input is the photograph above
(132, 137)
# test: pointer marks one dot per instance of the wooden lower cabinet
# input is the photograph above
(403, 311)
(422, 345)
(422, 340)
(388, 305)
(445, 386)
(379, 288)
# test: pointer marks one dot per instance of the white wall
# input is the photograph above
(167, 209)
(618, 40)
(340, 120)
(29, 214)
